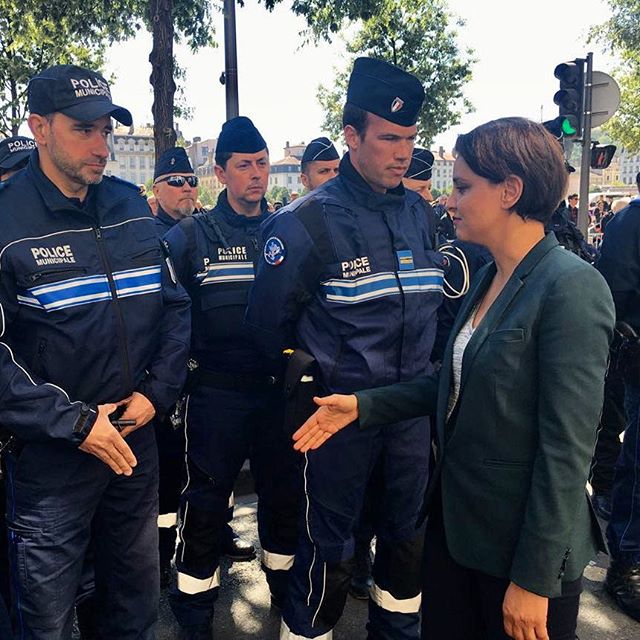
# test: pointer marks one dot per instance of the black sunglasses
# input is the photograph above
(178, 181)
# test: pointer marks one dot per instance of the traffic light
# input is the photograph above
(559, 127)
(570, 96)
(601, 157)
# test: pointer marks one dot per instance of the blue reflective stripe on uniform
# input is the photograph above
(361, 289)
(422, 280)
(233, 272)
(67, 293)
(137, 281)
(383, 284)
(78, 291)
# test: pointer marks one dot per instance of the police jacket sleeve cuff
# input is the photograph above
(84, 423)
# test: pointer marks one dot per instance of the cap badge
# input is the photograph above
(172, 161)
(396, 105)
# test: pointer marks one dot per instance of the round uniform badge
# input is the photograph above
(274, 251)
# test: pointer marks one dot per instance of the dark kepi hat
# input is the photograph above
(320, 149)
(239, 135)
(78, 93)
(174, 160)
(15, 150)
(421, 163)
(387, 91)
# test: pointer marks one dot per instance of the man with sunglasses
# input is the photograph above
(234, 406)
(175, 187)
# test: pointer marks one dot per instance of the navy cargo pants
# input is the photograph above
(223, 428)
(59, 500)
(623, 532)
(335, 478)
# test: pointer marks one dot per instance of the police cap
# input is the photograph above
(15, 150)
(320, 149)
(76, 92)
(421, 163)
(174, 160)
(385, 90)
(239, 135)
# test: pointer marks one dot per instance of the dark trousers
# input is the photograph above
(335, 481)
(60, 500)
(623, 532)
(224, 428)
(612, 424)
(464, 604)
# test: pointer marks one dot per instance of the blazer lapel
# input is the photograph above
(485, 276)
(488, 324)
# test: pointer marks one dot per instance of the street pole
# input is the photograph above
(230, 59)
(585, 166)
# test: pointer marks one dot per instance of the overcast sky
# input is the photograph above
(517, 45)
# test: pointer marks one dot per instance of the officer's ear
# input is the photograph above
(39, 126)
(220, 174)
(352, 137)
(305, 180)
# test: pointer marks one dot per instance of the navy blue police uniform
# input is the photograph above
(350, 276)
(619, 263)
(90, 314)
(233, 407)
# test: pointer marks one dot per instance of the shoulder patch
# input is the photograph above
(274, 251)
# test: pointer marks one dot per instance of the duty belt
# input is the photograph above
(235, 381)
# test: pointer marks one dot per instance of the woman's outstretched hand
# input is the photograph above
(335, 412)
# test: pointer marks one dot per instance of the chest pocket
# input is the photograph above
(61, 288)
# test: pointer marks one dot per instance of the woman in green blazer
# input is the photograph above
(516, 404)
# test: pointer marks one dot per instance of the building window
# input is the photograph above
(132, 162)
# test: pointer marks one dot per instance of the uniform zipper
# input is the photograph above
(122, 334)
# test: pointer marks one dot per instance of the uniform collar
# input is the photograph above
(225, 210)
(363, 193)
(99, 196)
(163, 217)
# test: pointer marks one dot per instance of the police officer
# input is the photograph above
(234, 407)
(348, 275)
(14, 155)
(619, 263)
(320, 162)
(175, 187)
(95, 329)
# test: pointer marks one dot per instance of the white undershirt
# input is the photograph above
(459, 345)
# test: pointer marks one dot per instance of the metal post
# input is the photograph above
(585, 166)
(230, 59)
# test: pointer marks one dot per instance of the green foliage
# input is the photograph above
(416, 35)
(278, 194)
(621, 35)
(206, 197)
(31, 40)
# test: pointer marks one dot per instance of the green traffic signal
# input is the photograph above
(567, 128)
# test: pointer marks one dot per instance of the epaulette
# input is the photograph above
(123, 182)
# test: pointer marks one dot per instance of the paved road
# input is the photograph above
(243, 610)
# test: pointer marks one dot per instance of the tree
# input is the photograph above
(415, 35)
(278, 194)
(621, 35)
(31, 40)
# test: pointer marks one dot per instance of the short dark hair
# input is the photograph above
(304, 166)
(222, 158)
(523, 148)
(573, 196)
(356, 117)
